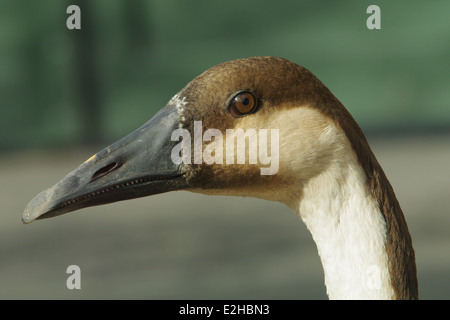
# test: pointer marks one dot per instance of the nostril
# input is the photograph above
(105, 170)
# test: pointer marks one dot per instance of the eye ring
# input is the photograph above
(242, 104)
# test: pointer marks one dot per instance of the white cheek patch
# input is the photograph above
(235, 147)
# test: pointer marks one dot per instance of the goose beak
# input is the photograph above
(137, 165)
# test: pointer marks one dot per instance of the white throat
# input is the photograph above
(349, 231)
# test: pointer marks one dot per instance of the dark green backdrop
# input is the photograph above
(60, 86)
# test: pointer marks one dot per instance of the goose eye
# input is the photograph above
(243, 103)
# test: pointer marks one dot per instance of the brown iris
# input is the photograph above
(243, 103)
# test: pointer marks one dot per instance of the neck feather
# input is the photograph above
(350, 234)
(359, 230)
(364, 176)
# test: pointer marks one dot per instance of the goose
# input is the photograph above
(322, 168)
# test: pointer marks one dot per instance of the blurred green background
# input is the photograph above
(60, 86)
(66, 93)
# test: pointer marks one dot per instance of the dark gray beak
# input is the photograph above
(138, 165)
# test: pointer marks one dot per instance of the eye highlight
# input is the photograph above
(243, 103)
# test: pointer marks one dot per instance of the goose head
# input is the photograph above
(268, 128)
(184, 146)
